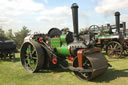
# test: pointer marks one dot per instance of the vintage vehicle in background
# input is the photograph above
(7, 48)
(113, 38)
(55, 48)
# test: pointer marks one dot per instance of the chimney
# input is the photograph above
(117, 18)
(75, 19)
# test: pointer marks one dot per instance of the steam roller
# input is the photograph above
(61, 48)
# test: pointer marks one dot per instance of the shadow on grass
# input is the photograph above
(110, 75)
(17, 59)
(54, 70)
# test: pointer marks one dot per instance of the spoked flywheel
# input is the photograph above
(32, 56)
(96, 62)
(114, 49)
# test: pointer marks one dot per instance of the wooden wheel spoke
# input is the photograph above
(110, 52)
(34, 51)
(112, 45)
(34, 54)
(34, 58)
(115, 45)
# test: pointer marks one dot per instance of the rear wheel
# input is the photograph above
(114, 49)
(32, 56)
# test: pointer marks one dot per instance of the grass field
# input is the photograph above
(14, 74)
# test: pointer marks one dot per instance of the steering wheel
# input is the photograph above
(94, 28)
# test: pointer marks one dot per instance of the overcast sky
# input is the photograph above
(41, 15)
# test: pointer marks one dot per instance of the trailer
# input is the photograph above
(7, 49)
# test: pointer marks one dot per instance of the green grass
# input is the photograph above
(14, 74)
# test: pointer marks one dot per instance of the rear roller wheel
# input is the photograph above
(96, 62)
(114, 49)
(32, 56)
(86, 65)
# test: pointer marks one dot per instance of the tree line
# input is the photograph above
(17, 36)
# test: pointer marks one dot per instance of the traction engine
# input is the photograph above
(65, 49)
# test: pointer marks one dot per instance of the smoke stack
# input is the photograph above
(117, 18)
(124, 27)
(75, 19)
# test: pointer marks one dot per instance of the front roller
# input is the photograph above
(94, 64)
(32, 56)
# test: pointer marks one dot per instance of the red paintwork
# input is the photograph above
(70, 59)
(80, 55)
(54, 60)
(41, 39)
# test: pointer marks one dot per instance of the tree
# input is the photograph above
(19, 36)
(2, 34)
(10, 35)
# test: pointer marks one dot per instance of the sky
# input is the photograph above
(42, 15)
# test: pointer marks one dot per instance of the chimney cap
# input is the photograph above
(74, 5)
(117, 13)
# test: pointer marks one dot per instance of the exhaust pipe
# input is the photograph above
(117, 19)
(74, 8)
(124, 28)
